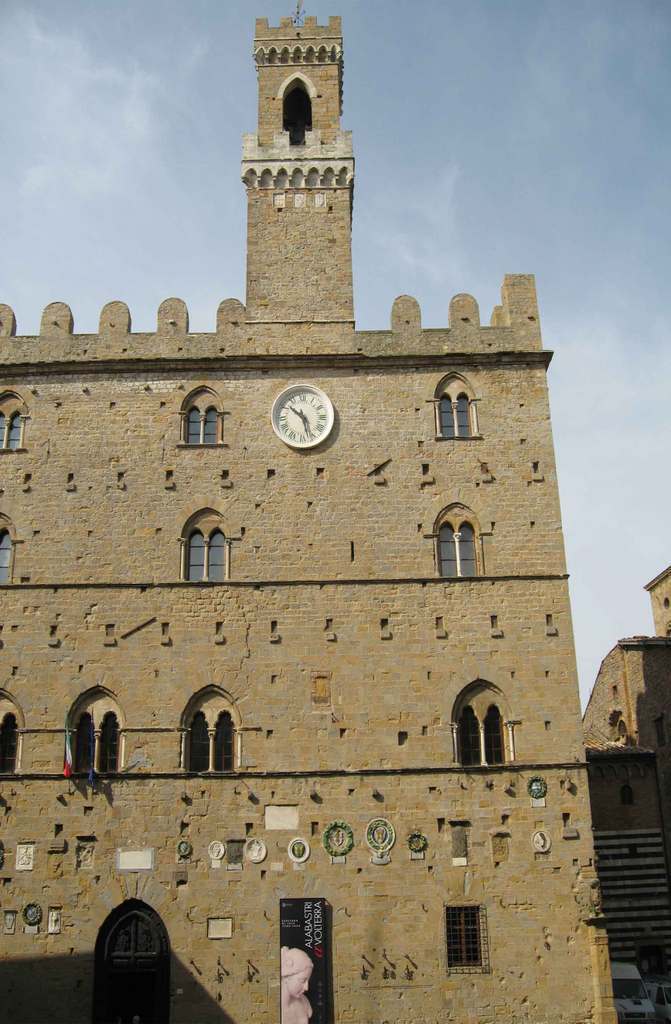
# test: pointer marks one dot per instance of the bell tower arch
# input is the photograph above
(298, 169)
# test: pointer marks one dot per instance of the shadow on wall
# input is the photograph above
(59, 990)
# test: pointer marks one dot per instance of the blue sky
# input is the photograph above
(490, 137)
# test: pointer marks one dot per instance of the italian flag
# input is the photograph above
(67, 760)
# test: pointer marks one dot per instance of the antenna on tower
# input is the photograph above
(299, 16)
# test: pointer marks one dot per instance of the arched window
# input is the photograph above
(201, 416)
(216, 560)
(84, 743)
(9, 737)
(466, 550)
(205, 554)
(297, 114)
(446, 417)
(457, 409)
(5, 557)
(463, 416)
(109, 743)
(210, 426)
(224, 743)
(456, 544)
(626, 794)
(193, 426)
(493, 736)
(14, 432)
(196, 557)
(12, 417)
(199, 744)
(469, 738)
(447, 551)
(210, 732)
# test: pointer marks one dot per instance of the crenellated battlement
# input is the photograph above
(288, 29)
(514, 328)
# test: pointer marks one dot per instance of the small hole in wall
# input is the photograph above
(314, 828)
(532, 522)
(534, 466)
(351, 551)
(548, 725)
(548, 621)
(263, 873)
(402, 738)
(270, 473)
(425, 730)
(666, 602)
(249, 827)
(441, 824)
(465, 319)
(269, 733)
(532, 318)
(566, 818)
(504, 818)
(615, 689)
(425, 468)
(319, 471)
(343, 733)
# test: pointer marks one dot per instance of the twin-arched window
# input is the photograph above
(202, 418)
(210, 733)
(457, 409)
(206, 557)
(478, 727)
(95, 733)
(211, 750)
(456, 550)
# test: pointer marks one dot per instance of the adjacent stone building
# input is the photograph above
(627, 722)
(291, 599)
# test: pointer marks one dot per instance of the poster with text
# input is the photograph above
(304, 961)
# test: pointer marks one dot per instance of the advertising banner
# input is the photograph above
(304, 961)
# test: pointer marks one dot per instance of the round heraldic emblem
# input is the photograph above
(417, 842)
(184, 849)
(298, 850)
(302, 416)
(216, 850)
(537, 787)
(338, 839)
(32, 913)
(256, 850)
(380, 836)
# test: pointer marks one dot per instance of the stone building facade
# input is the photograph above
(270, 648)
(627, 731)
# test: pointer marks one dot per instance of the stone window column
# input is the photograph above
(238, 748)
(96, 750)
(510, 727)
(473, 409)
(211, 734)
(202, 428)
(455, 741)
(483, 752)
(122, 749)
(182, 748)
(206, 549)
(227, 558)
(182, 558)
(455, 421)
(183, 426)
(457, 538)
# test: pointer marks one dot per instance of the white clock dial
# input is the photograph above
(302, 416)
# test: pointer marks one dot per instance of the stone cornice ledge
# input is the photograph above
(421, 581)
(326, 360)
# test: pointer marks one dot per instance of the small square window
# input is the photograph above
(467, 944)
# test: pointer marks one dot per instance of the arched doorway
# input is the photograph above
(132, 968)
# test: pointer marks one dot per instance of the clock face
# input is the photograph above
(302, 416)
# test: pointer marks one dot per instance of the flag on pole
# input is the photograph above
(92, 748)
(67, 760)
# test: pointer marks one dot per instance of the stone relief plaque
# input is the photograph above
(541, 841)
(54, 921)
(216, 850)
(32, 914)
(135, 860)
(25, 856)
(9, 920)
(256, 850)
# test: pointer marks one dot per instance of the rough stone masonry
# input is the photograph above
(383, 632)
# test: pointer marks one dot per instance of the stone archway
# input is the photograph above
(132, 967)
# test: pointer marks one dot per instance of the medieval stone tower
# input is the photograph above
(291, 601)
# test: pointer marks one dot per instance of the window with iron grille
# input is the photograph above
(467, 945)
